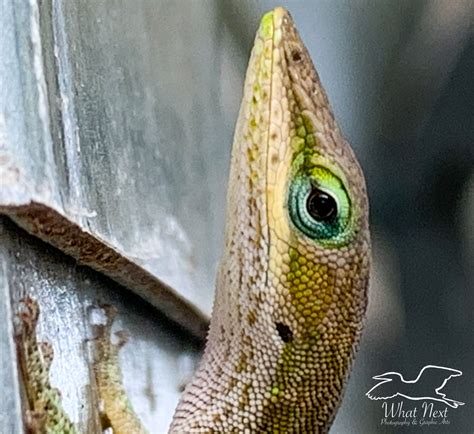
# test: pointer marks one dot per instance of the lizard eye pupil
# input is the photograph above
(321, 206)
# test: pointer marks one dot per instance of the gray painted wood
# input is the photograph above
(10, 407)
(113, 115)
(104, 135)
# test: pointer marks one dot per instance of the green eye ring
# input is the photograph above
(320, 207)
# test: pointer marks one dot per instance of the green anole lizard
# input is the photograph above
(291, 290)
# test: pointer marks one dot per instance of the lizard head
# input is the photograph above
(316, 200)
(319, 244)
(317, 238)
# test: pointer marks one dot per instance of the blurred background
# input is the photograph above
(126, 124)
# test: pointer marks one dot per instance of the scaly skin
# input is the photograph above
(291, 291)
(44, 412)
(116, 412)
(292, 285)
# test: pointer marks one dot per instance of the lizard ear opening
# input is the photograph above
(284, 332)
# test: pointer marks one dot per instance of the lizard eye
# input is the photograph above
(319, 206)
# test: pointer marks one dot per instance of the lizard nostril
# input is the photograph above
(284, 331)
(296, 55)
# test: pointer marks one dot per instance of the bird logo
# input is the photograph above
(427, 386)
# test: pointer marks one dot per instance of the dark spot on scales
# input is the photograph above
(296, 55)
(284, 331)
